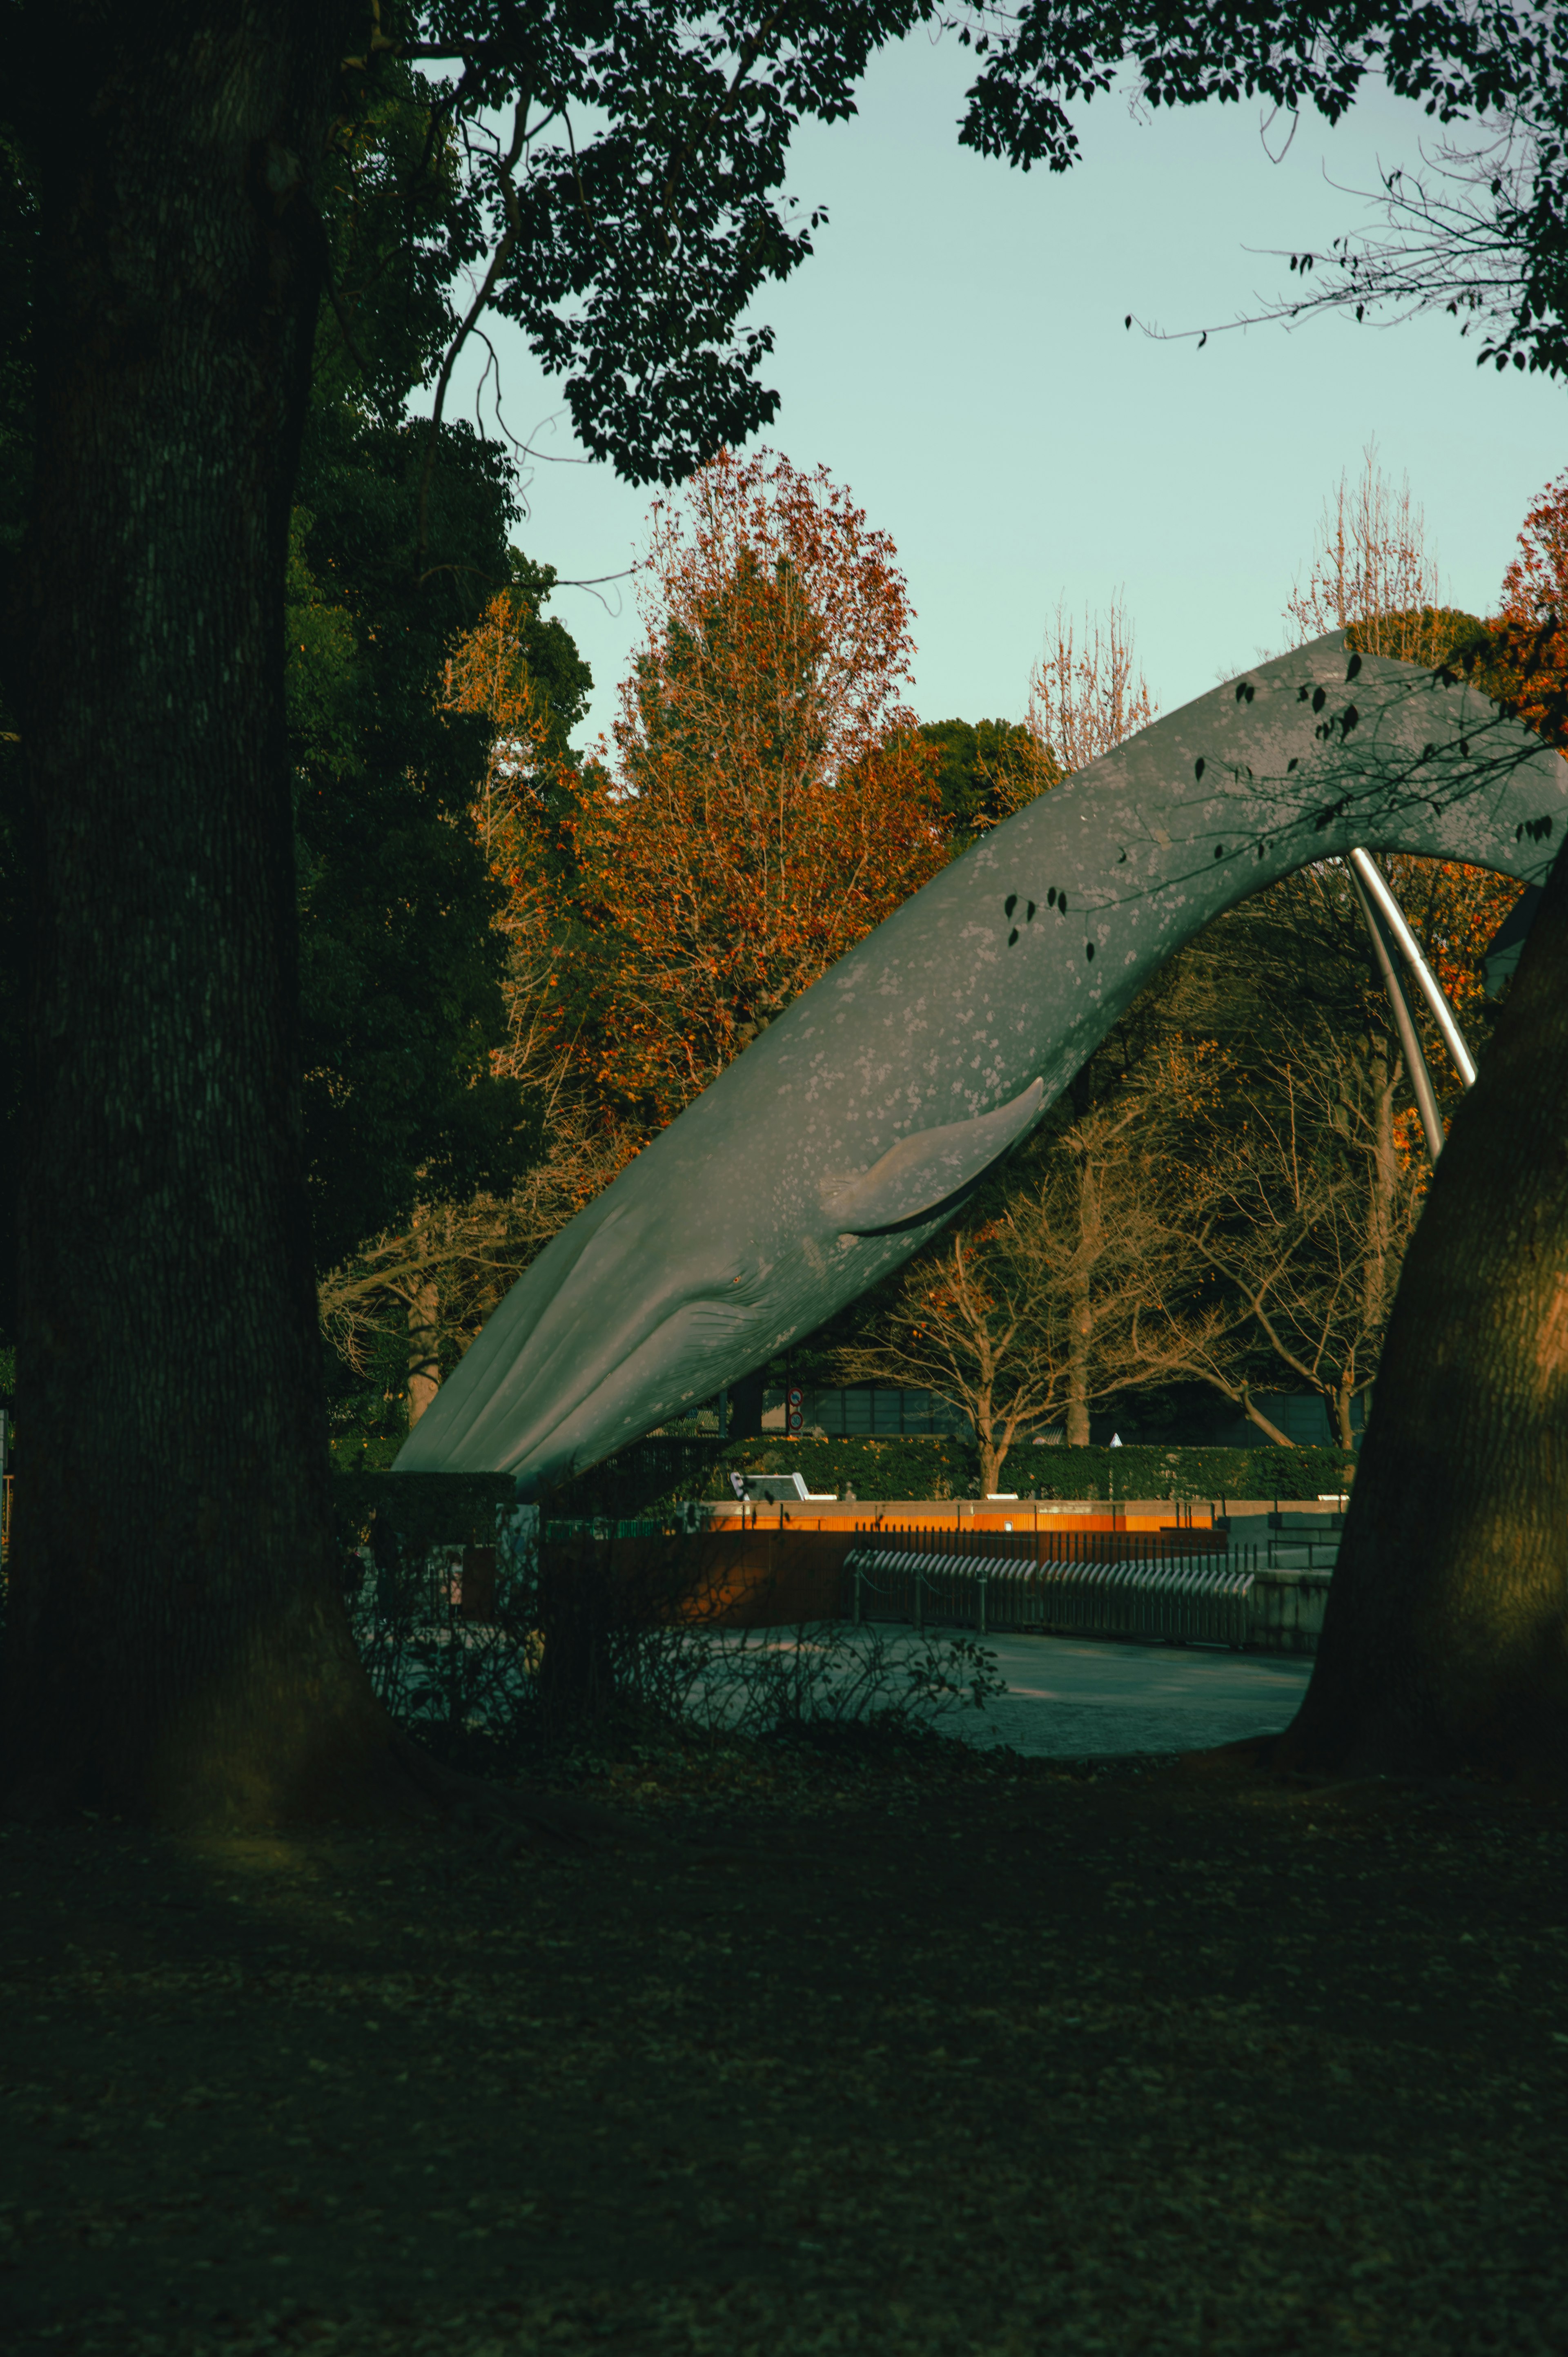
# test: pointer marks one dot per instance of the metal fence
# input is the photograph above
(1047, 1544)
(1184, 1596)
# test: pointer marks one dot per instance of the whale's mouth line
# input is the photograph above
(578, 1289)
(722, 1321)
(932, 1214)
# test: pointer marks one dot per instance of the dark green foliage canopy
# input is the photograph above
(986, 770)
(400, 966)
(399, 541)
(649, 215)
(400, 970)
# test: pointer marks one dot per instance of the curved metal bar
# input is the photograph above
(1404, 1021)
(847, 1134)
(1377, 886)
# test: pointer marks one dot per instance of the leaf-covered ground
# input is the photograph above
(898, 2051)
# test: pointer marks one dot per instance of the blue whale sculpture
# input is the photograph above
(853, 1128)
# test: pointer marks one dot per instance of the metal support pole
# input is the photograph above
(1376, 883)
(1404, 1021)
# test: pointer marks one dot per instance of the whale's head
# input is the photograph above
(662, 1291)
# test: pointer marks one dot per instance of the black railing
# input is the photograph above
(1047, 1545)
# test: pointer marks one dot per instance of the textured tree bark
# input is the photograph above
(1446, 1637)
(1081, 1313)
(985, 1441)
(424, 1345)
(177, 1646)
(1254, 1415)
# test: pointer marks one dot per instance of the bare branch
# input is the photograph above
(505, 168)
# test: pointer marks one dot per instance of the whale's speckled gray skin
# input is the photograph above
(850, 1131)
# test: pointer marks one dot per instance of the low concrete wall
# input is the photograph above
(772, 1580)
(1284, 1610)
(780, 1578)
(769, 1579)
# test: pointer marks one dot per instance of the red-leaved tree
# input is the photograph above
(1530, 632)
(768, 801)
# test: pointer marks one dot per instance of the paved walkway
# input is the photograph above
(1070, 1697)
(1073, 1697)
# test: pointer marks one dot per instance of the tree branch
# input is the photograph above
(508, 199)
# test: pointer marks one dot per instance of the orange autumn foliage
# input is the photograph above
(767, 802)
(1529, 633)
(1453, 911)
(487, 673)
(517, 814)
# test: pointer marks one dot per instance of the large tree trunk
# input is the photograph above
(424, 1349)
(1269, 1430)
(985, 1441)
(176, 1642)
(1446, 1638)
(1080, 1306)
(1382, 1188)
(425, 1317)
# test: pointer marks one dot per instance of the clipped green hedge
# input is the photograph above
(894, 1467)
(908, 1467)
(1209, 1474)
(950, 1468)
(459, 1509)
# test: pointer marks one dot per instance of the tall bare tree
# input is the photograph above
(1086, 693)
(1373, 570)
(962, 1326)
(1302, 1205)
(1082, 1285)
(434, 1284)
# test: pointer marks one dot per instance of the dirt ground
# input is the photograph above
(890, 2050)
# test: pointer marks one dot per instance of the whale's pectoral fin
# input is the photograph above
(922, 1175)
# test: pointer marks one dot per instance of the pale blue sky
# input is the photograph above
(955, 352)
